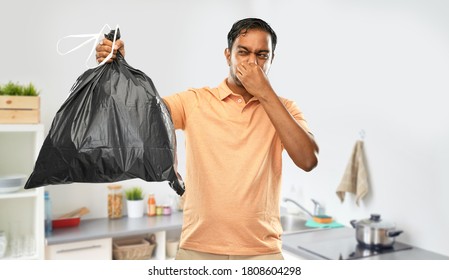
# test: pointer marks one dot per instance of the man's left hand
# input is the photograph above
(253, 78)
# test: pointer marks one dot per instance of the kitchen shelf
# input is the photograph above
(22, 212)
(34, 193)
(22, 128)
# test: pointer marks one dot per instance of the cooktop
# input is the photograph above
(347, 248)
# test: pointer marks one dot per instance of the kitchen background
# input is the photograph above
(380, 67)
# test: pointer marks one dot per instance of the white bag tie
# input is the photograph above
(91, 37)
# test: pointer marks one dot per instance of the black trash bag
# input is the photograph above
(114, 126)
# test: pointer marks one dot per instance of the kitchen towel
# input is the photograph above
(355, 178)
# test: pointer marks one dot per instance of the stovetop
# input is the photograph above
(347, 249)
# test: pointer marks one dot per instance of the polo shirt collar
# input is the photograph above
(224, 91)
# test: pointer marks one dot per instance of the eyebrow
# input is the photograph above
(246, 49)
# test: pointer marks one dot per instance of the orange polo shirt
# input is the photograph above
(233, 172)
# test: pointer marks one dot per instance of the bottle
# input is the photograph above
(48, 219)
(151, 211)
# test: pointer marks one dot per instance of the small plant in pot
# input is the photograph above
(134, 202)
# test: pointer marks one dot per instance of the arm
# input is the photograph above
(298, 142)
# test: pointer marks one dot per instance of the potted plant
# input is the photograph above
(19, 103)
(134, 202)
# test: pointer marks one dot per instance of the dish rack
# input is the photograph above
(133, 249)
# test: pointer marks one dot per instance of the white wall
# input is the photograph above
(379, 66)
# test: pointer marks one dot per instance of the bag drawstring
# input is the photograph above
(91, 37)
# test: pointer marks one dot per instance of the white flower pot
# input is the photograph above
(135, 208)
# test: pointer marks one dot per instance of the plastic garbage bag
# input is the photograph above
(113, 126)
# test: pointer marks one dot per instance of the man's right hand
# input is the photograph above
(104, 48)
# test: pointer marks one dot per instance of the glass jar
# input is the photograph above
(115, 201)
(166, 210)
(159, 210)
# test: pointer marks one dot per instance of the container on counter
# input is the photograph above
(166, 210)
(159, 210)
(151, 210)
(176, 202)
(115, 201)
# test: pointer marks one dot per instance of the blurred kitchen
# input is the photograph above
(370, 70)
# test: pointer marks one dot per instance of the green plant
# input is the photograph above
(18, 90)
(134, 193)
(30, 90)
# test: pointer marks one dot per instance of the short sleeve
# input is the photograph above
(180, 105)
(296, 113)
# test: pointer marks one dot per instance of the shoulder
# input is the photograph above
(192, 95)
(289, 104)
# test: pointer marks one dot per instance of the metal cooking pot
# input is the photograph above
(374, 233)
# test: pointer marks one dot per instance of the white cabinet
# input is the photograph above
(21, 212)
(288, 256)
(97, 249)
(164, 229)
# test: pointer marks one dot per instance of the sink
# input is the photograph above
(294, 224)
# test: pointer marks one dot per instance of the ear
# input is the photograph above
(227, 54)
(272, 57)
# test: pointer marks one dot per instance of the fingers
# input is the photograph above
(245, 67)
(120, 44)
(100, 59)
(105, 47)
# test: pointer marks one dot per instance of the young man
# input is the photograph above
(235, 135)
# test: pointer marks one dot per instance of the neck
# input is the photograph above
(238, 89)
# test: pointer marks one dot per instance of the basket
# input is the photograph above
(133, 249)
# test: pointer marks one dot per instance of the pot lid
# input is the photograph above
(375, 222)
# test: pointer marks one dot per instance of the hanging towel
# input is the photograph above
(355, 179)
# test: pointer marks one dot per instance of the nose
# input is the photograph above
(252, 58)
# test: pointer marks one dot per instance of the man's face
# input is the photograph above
(254, 46)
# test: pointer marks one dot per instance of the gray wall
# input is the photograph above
(378, 66)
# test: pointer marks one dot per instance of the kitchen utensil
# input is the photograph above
(375, 233)
(75, 213)
(70, 219)
(11, 183)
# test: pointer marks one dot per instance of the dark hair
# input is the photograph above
(242, 26)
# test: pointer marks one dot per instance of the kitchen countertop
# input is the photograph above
(123, 227)
(113, 228)
(336, 235)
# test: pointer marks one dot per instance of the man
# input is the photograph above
(235, 134)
